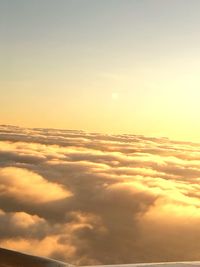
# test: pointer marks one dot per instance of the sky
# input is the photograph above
(113, 66)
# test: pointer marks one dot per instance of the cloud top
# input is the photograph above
(27, 186)
(89, 198)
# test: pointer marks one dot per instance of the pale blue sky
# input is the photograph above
(101, 65)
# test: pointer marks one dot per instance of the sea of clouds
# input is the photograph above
(89, 198)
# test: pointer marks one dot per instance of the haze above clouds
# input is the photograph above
(114, 66)
(89, 198)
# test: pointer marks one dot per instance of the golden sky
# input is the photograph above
(115, 66)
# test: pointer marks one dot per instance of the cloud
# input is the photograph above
(89, 198)
(21, 225)
(27, 186)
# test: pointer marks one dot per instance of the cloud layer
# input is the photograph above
(89, 198)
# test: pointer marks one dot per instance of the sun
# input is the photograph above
(115, 96)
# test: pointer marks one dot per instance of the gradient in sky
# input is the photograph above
(120, 66)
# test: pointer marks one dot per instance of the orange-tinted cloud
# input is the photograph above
(27, 186)
(89, 198)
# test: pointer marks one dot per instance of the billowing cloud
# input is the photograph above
(26, 186)
(89, 198)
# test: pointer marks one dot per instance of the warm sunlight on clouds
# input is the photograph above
(90, 198)
(27, 186)
(126, 68)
